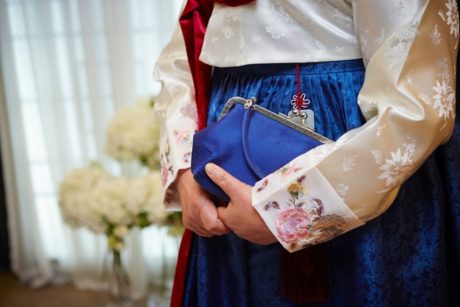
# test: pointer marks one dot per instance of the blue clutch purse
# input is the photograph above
(249, 142)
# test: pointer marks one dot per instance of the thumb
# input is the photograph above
(223, 214)
(212, 222)
(229, 184)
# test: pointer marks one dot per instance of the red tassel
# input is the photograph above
(304, 275)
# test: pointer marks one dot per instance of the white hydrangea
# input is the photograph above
(74, 197)
(154, 202)
(144, 195)
(91, 198)
(133, 134)
(107, 199)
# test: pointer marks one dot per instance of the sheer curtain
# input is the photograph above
(67, 65)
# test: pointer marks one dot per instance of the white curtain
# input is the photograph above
(67, 65)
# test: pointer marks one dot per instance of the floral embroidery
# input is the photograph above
(450, 17)
(262, 186)
(377, 156)
(289, 169)
(187, 157)
(277, 13)
(349, 163)
(183, 137)
(398, 9)
(274, 32)
(320, 45)
(166, 167)
(227, 31)
(165, 171)
(303, 222)
(400, 44)
(435, 36)
(231, 26)
(444, 99)
(189, 111)
(327, 227)
(296, 190)
(277, 10)
(272, 204)
(369, 44)
(444, 94)
(378, 133)
(292, 224)
(340, 49)
(396, 167)
(298, 224)
(342, 190)
(443, 67)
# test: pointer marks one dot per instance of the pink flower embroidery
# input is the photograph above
(189, 111)
(187, 157)
(182, 137)
(164, 174)
(289, 169)
(292, 224)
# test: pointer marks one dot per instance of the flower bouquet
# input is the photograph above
(133, 134)
(91, 198)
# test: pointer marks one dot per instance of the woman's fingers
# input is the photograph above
(229, 184)
(191, 224)
(199, 213)
(210, 220)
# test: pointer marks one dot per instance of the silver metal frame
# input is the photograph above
(281, 118)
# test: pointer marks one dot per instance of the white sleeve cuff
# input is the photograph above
(302, 208)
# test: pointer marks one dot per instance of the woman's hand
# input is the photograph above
(199, 214)
(239, 215)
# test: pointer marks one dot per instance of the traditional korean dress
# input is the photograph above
(384, 198)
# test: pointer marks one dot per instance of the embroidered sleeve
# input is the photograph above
(408, 99)
(176, 110)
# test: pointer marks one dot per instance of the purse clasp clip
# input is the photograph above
(250, 102)
(303, 118)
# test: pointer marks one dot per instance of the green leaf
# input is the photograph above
(142, 220)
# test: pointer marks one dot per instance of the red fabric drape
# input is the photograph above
(193, 22)
(181, 269)
(233, 2)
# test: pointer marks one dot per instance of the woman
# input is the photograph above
(388, 122)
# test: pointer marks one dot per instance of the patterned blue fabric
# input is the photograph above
(409, 256)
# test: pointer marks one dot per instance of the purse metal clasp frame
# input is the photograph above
(303, 118)
(250, 102)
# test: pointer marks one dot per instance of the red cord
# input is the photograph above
(298, 101)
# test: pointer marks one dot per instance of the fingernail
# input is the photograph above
(210, 169)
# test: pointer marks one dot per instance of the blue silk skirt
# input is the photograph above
(408, 256)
